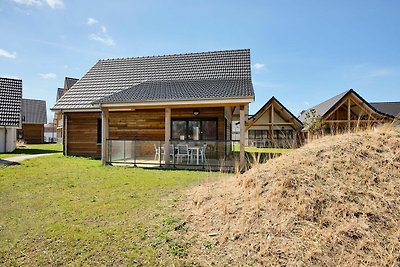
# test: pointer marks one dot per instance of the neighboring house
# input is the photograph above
(391, 108)
(10, 113)
(347, 110)
(166, 99)
(274, 126)
(68, 83)
(34, 117)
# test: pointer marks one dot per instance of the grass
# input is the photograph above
(60, 210)
(33, 149)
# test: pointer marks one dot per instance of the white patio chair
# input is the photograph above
(203, 152)
(183, 152)
(157, 155)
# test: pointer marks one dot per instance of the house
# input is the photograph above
(10, 112)
(126, 108)
(274, 126)
(346, 110)
(34, 117)
(57, 122)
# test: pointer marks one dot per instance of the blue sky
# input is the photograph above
(302, 52)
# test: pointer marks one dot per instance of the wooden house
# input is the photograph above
(346, 111)
(274, 126)
(33, 117)
(10, 113)
(58, 122)
(132, 105)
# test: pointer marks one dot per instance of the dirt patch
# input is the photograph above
(334, 202)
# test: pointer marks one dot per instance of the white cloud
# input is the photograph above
(102, 38)
(55, 3)
(48, 76)
(103, 29)
(50, 3)
(29, 2)
(92, 21)
(258, 66)
(381, 72)
(4, 53)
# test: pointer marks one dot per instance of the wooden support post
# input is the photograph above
(167, 136)
(272, 118)
(104, 136)
(65, 134)
(348, 114)
(242, 138)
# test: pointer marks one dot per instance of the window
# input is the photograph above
(99, 130)
(189, 129)
(259, 134)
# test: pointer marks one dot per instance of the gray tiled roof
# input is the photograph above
(33, 111)
(183, 90)
(323, 107)
(110, 76)
(10, 101)
(60, 93)
(391, 108)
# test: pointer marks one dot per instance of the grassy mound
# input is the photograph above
(334, 202)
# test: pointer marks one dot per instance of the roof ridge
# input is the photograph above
(384, 102)
(6, 78)
(31, 99)
(178, 54)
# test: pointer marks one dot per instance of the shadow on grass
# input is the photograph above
(36, 149)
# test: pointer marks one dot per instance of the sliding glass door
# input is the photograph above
(194, 129)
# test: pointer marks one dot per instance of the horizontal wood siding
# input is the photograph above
(82, 134)
(33, 133)
(145, 124)
(212, 112)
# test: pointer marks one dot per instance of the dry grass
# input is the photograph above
(333, 202)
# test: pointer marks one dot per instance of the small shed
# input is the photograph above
(34, 117)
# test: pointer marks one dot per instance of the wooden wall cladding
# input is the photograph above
(145, 124)
(33, 133)
(82, 134)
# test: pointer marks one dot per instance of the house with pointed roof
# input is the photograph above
(10, 112)
(57, 121)
(144, 106)
(33, 117)
(345, 111)
(274, 125)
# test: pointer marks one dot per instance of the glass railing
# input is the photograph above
(208, 155)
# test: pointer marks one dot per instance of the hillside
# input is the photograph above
(334, 202)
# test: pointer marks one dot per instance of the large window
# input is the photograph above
(199, 129)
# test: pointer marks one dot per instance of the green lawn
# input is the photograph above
(60, 210)
(33, 149)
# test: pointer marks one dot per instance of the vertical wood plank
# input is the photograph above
(167, 135)
(242, 137)
(104, 135)
(348, 113)
(65, 135)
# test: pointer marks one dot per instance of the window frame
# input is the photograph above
(187, 120)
